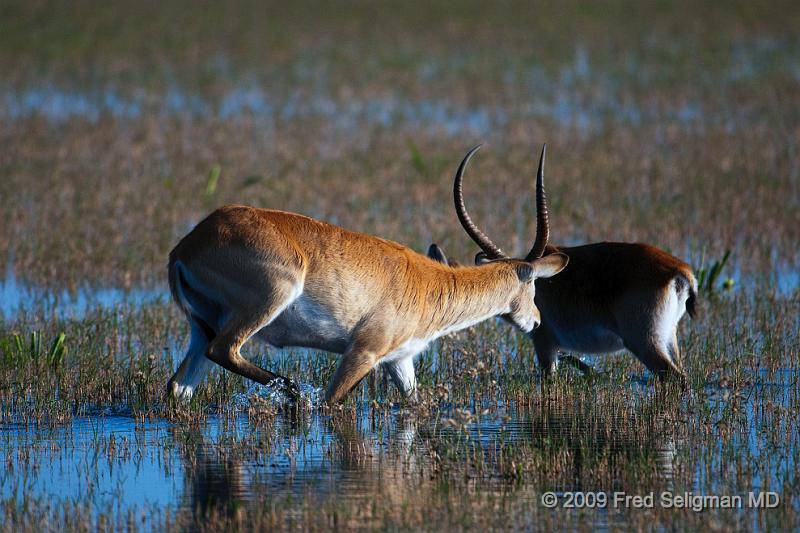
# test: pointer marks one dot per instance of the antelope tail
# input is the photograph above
(691, 284)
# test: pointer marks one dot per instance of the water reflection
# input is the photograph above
(214, 484)
(383, 457)
(336, 457)
(380, 462)
(588, 439)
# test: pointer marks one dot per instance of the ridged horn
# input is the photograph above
(469, 226)
(542, 219)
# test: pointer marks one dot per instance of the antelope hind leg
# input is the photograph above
(224, 350)
(195, 364)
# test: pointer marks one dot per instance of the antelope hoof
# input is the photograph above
(288, 386)
(175, 392)
(575, 362)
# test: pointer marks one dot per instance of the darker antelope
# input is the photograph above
(611, 296)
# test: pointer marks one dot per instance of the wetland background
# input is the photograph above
(122, 124)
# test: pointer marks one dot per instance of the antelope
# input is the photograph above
(291, 280)
(612, 296)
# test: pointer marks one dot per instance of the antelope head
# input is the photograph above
(524, 313)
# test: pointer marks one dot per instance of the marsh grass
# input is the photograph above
(122, 125)
(486, 431)
(682, 137)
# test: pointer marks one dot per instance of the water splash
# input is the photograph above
(310, 396)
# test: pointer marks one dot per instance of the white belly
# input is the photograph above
(588, 339)
(308, 324)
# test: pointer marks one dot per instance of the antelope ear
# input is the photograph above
(437, 254)
(550, 265)
(481, 258)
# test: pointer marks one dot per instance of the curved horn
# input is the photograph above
(466, 222)
(542, 224)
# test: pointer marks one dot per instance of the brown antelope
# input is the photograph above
(611, 296)
(291, 280)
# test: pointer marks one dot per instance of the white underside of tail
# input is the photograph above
(667, 318)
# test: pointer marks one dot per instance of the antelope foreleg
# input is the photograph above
(355, 365)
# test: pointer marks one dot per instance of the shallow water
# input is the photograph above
(228, 462)
(231, 463)
(58, 105)
(18, 297)
(115, 461)
(580, 93)
(442, 116)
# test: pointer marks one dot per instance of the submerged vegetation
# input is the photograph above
(122, 125)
